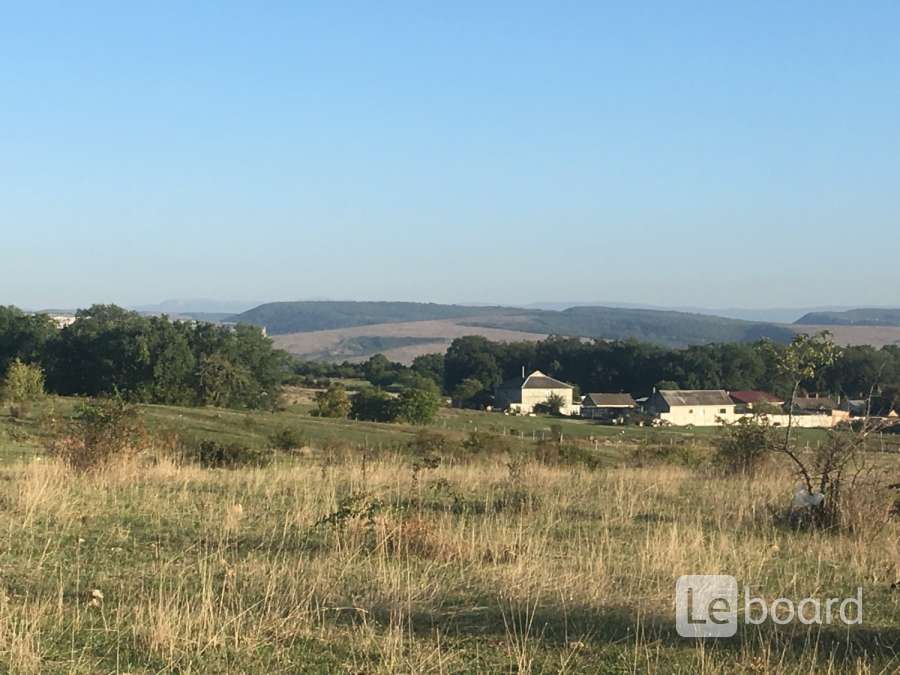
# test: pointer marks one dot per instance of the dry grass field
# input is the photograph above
(331, 344)
(876, 336)
(341, 561)
(429, 337)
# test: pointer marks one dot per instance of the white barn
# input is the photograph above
(693, 407)
(522, 394)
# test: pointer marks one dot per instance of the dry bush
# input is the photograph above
(100, 431)
(213, 454)
(486, 443)
(743, 447)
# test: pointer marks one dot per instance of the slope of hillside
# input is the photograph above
(400, 342)
(611, 323)
(853, 317)
(850, 336)
(673, 329)
(297, 317)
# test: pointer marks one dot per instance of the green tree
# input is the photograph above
(173, 366)
(467, 392)
(222, 382)
(802, 361)
(373, 405)
(24, 382)
(472, 357)
(380, 371)
(418, 406)
(332, 402)
(430, 366)
(552, 406)
(24, 336)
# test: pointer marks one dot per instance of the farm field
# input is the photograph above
(426, 337)
(354, 555)
(876, 336)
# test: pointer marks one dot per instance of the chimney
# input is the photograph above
(523, 371)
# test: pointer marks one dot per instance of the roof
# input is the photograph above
(610, 400)
(537, 380)
(683, 397)
(815, 404)
(752, 396)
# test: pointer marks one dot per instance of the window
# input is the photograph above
(691, 411)
(723, 410)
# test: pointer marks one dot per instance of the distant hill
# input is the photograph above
(280, 318)
(853, 317)
(195, 306)
(320, 329)
(673, 329)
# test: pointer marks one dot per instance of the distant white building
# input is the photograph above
(62, 320)
(522, 394)
(693, 407)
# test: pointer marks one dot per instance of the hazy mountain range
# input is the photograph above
(766, 314)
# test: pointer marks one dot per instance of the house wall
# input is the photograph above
(823, 421)
(699, 415)
(533, 397)
(602, 413)
(706, 416)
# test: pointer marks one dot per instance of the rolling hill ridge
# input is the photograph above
(853, 317)
(355, 330)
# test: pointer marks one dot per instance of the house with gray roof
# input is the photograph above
(607, 406)
(521, 394)
(692, 407)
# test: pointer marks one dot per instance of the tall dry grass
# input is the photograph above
(152, 566)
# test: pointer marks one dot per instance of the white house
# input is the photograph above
(522, 394)
(693, 407)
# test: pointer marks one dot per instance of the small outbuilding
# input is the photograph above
(814, 405)
(756, 401)
(607, 407)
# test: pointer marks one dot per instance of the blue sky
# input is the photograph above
(709, 154)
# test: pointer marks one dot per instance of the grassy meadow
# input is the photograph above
(352, 555)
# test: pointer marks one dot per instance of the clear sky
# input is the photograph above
(714, 154)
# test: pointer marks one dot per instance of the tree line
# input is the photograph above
(145, 359)
(473, 366)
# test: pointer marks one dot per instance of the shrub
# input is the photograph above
(427, 442)
(470, 393)
(214, 454)
(743, 446)
(653, 451)
(374, 405)
(418, 406)
(100, 431)
(24, 382)
(287, 438)
(552, 406)
(555, 453)
(333, 402)
(483, 442)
